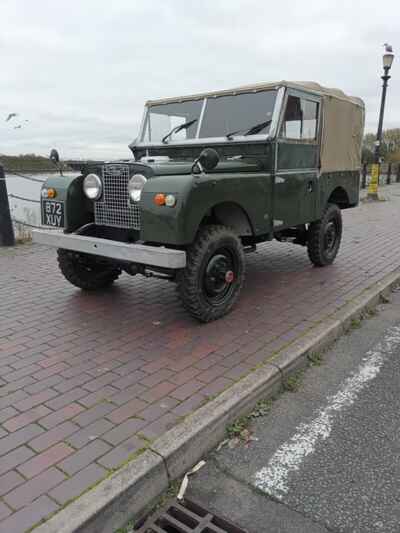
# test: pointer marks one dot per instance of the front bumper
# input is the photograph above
(156, 256)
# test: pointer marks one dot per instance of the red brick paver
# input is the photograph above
(86, 380)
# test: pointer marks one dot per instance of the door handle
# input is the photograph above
(310, 186)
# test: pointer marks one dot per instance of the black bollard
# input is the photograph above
(389, 174)
(7, 237)
(364, 176)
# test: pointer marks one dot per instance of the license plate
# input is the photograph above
(53, 213)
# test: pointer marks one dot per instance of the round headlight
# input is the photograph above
(92, 186)
(135, 187)
(170, 200)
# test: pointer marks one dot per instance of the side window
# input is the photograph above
(300, 121)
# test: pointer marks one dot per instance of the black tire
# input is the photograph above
(84, 272)
(324, 237)
(210, 284)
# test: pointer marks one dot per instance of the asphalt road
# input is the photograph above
(327, 456)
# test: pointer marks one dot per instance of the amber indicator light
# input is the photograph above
(159, 199)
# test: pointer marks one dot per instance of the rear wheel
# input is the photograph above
(324, 236)
(85, 272)
(210, 284)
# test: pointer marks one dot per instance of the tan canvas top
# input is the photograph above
(301, 85)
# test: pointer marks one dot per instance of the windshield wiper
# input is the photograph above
(252, 131)
(181, 127)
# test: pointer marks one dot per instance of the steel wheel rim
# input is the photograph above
(219, 276)
(331, 236)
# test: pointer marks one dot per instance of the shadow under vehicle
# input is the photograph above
(211, 176)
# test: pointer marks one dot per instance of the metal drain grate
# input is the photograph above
(189, 518)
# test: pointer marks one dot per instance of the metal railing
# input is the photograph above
(7, 221)
(16, 196)
(24, 176)
(23, 198)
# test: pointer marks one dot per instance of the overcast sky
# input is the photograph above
(80, 70)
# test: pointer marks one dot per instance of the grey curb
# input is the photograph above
(112, 502)
(136, 486)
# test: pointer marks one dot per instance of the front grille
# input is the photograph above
(114, 208)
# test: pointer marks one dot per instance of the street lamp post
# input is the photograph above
(388, 57)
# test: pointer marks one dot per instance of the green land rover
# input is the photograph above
(211, 176)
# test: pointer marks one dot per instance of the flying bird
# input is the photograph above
(10, 116)
(18, 127)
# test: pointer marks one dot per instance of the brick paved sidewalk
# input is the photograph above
(88, 380)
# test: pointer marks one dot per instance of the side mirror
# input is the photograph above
(207, 160)
(54, 156)
(55, 159)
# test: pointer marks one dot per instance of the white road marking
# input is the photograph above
(288, 458)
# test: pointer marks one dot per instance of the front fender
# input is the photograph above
(160, 223)
(77, 209)
(196, 196)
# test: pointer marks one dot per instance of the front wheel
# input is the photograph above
(324, 236)
(85, 272)
(214, 275)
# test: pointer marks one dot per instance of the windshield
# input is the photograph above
(212, 117)
(162, 119)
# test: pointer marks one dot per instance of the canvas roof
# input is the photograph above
(312, 86)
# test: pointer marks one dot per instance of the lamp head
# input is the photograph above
(388, 56)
